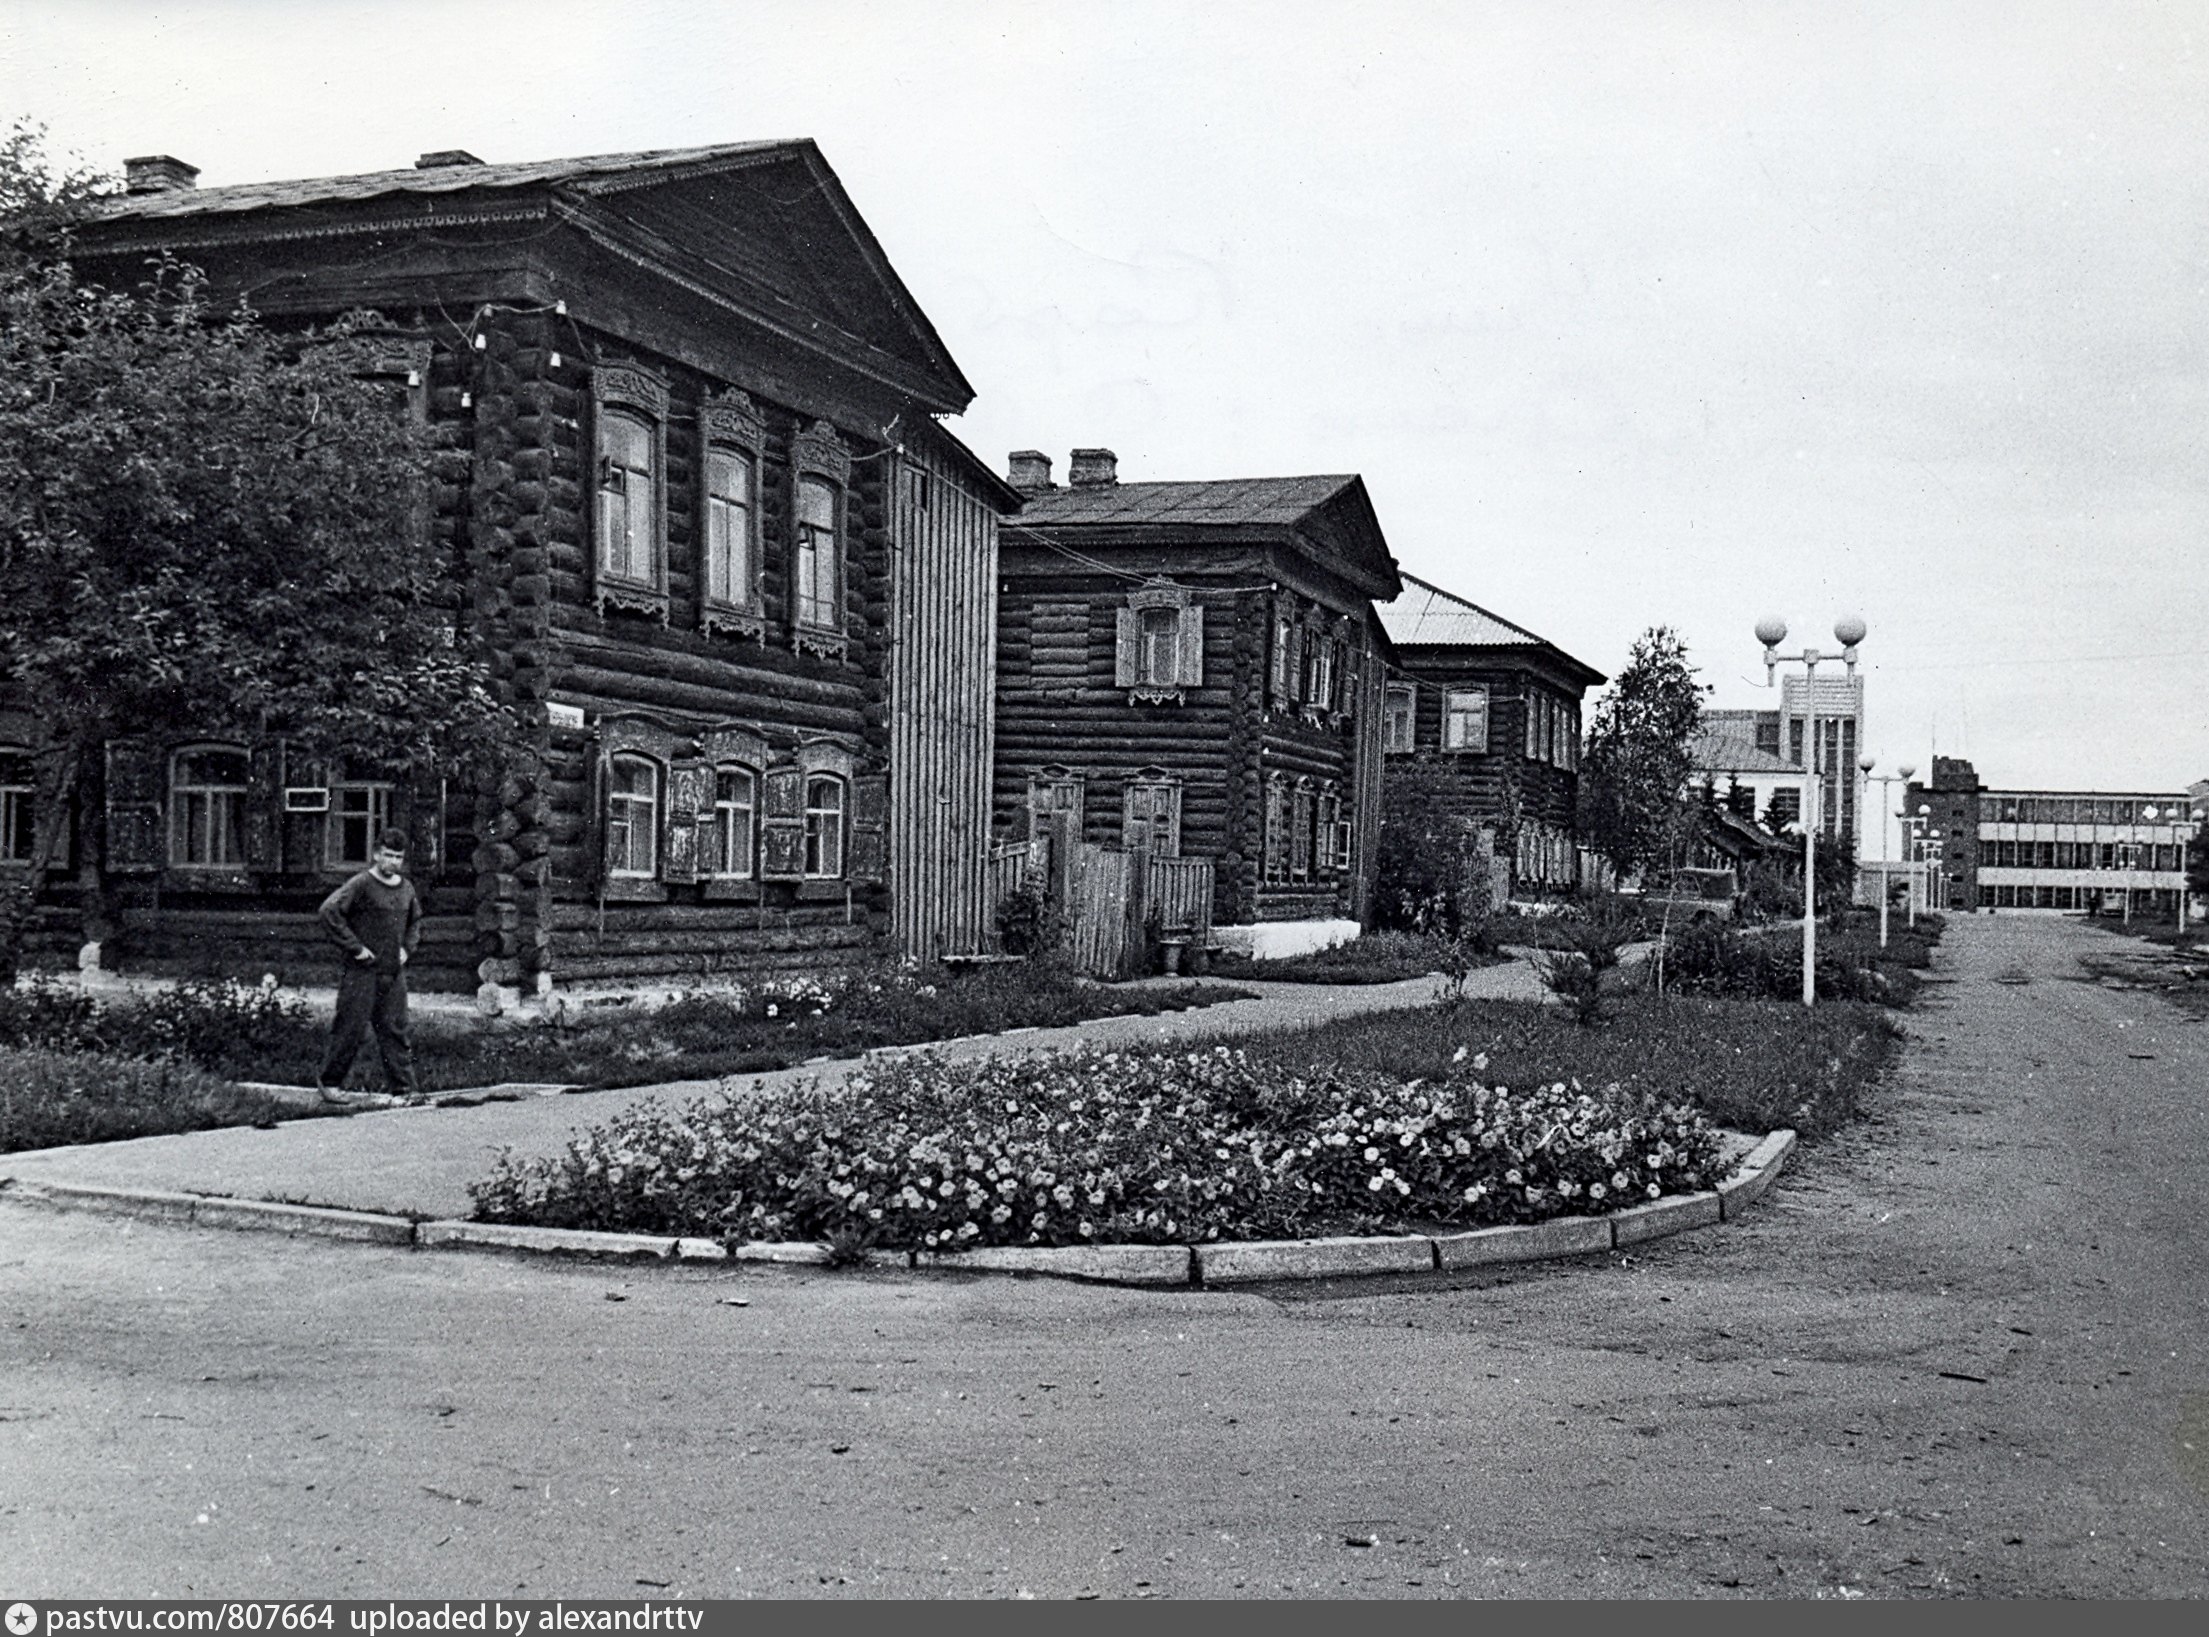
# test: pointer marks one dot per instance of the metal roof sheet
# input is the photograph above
(246, 196)
(1269, 501)
(1426, 614)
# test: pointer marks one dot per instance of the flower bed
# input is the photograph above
(49, 1098)
(1102, 1146)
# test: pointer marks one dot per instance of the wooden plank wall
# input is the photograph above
(941, 689)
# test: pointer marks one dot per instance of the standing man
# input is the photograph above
(377, 920)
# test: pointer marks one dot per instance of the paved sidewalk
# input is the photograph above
(419, 1161)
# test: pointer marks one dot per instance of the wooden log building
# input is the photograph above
(735, 579)
(1194, 669)
(1500, 708)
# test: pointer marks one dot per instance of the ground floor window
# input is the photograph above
(735, 810)
(824, 828)
(18, 790)
(358, 812)
(207, 796)
(633, 817)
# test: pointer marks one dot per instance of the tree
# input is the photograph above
(1640, 754)
(1436, 867)
(205, 525)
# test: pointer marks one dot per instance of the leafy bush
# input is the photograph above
(1713, 959)
(1580, 954)
(1436, 870)
(48, 1098)
(39, 1013)
(1023, 921)
(1106, 1146)
(218, 1024)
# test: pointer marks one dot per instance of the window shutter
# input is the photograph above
(136, 779)
(782, 827)
(1127, 640)
(1166, 830)
(596, 831)
(689, 809)
(1277, 683)
(264, 805)
(870, 811)
(1295, 665)
(1189, 673)
(418, 804)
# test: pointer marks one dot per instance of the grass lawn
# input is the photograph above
(1751, 1065)
(49, 1099)
(1377, 957)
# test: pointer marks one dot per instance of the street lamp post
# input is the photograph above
(2181, 817)
(1902, 776)
(1919, 823)
(1772, 631)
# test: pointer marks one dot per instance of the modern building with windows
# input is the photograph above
(735, 581)
(1763, 752)
(1499, 708)
(2053, 851)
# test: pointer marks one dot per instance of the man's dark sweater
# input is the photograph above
(366, 914)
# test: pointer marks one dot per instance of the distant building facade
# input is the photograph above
(2053, 851)
(1500, 706)
(1763, 751)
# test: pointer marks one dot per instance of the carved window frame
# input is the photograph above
(820, 453)
(626, 392)
(730, 422)
(1131, 646)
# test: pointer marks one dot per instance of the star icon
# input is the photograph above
(22, 1620)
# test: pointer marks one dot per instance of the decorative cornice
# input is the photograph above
(732, 417)
(818, 449)
(627, 384)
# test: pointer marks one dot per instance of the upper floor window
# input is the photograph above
(731, 550)
(358, 812)
(207, 800)
(819, 567)
(628, 499)
(632, 816)
(824, 827)
(629, 519)
(1465, 719)
(1158, 649)
(735, 816)
(1402, 717)
(18, 790)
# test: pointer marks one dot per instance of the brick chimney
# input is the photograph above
(158, 173)
(1029, 470)
(1093, 469)
(446, 159)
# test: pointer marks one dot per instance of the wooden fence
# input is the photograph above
(1108, 899)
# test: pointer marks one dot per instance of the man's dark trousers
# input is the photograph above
(371, 999)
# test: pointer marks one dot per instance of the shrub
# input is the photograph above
(40, 1013)
(1436, 870)
(1023, 921)
(1376, 957)
(1105, 1146)
(217, 1023)
(48, 1098)
(1579, 954)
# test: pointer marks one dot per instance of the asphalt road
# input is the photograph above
(1961, 1351)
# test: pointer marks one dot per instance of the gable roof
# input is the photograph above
(1426, 616)
(793, 251)
(1334, 506)
(1727, 743)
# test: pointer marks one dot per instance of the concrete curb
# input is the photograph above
(1151, 1266)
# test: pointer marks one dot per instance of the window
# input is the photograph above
(1151, 819)
(1402, 716)
(1158, 644)
(1158, 650)
(1321, 689)
(824, 828)
(735, 814)
(207, 796)
(731, 483)
(1465, 719)
(1281, 672)
(818, 573)
(628, 499)
(1302, 817)
(17, 792)
(1055, 799)
(357, 813)
(1276, 847)
(632, 817)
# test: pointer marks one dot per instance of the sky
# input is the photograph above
(1655, 313)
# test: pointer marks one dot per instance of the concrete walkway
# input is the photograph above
(419, 1161)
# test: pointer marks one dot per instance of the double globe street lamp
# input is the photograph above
(1848, 631)
(1902, 776)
